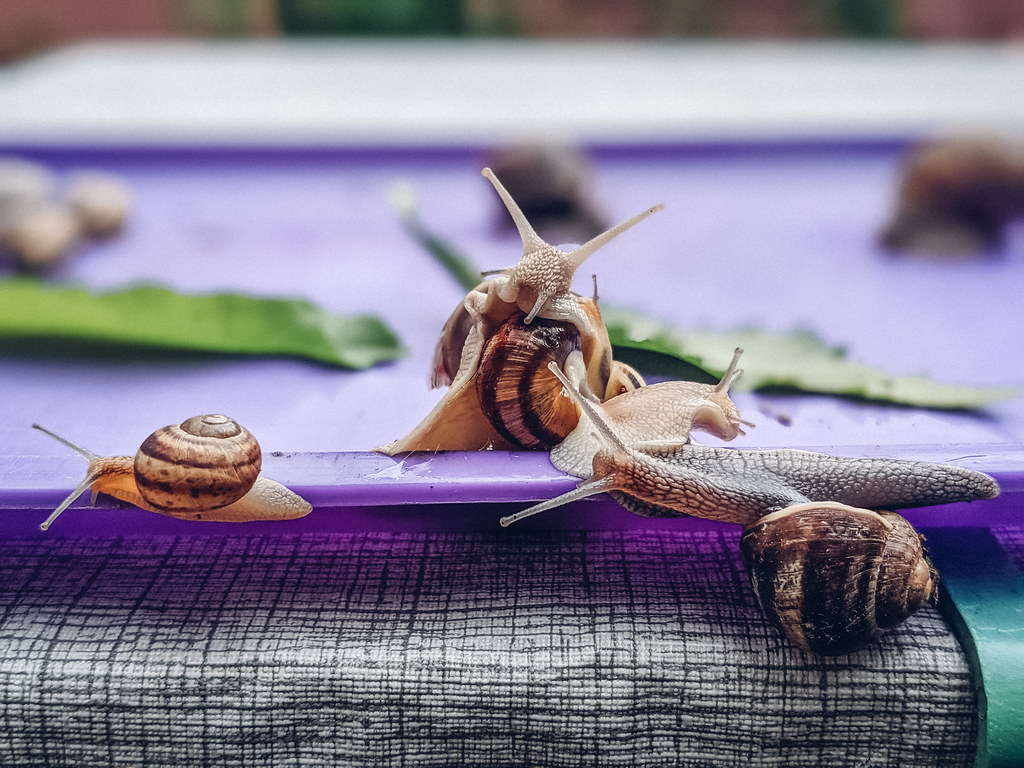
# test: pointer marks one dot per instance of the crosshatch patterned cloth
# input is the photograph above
(551, 649)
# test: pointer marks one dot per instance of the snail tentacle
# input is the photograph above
(81, 488)
(581, 491)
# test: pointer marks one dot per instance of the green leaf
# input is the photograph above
(37, 314)
(795, 361)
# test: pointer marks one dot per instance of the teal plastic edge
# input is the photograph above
(983, 599)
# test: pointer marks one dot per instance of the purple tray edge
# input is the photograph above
(443, 491)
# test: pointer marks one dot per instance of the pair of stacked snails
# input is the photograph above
(529, 365)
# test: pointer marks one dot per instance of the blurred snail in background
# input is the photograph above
(549, 182)
(41, 227)
(100, 201)
(957, 195)
(529, 308)
(206, 468)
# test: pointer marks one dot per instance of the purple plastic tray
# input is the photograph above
(773, 235)
(445, 491)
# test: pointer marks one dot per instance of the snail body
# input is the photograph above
(658, 414)
(658, 478)
(833, 577)
(206, 468)
(536, 288)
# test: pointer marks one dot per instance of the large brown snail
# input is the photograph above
(829, 569)
(206, 468)
(513, 304)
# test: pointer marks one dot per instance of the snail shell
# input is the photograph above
(517, 392)
(43, 235)
(957, 195)
(206, 468)
(520, 395)
(833, 577)
(101, 201)
(203, 463)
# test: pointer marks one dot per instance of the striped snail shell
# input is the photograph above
(522, 397)
(206, 468)
(203, 463)
(517, 392)
(833, 577)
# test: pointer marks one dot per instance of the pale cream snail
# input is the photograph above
(206, 468)
(538, 288)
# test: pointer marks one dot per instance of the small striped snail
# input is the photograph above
(828, 569)
(510, 307)
(206, 468)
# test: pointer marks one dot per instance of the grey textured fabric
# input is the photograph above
(513, 649)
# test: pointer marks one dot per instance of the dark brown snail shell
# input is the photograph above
(833, 578)
(518, 394)
(203, 463)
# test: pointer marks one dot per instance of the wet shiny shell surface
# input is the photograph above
(204, 463)
(517, 392)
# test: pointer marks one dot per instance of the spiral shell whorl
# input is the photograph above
(206, 462)
(833, 577)
(518, 394)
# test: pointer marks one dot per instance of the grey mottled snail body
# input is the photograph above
(206, 468)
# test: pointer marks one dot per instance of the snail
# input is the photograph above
(827, 568)
(956, 195)
(550, 183)
(101, 202)
(206, 468)
(665, 478)
(43, 236)
(537, 288)
(833, 577)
